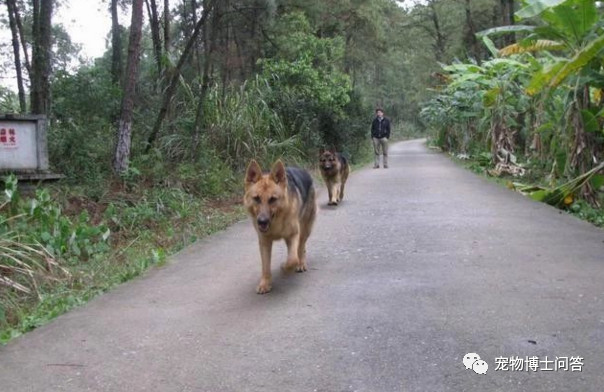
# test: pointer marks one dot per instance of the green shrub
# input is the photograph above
(38, 244)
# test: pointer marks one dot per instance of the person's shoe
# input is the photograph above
(385, 166)
(376, 166)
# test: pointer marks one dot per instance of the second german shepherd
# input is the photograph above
(282, 205)
(334, 170)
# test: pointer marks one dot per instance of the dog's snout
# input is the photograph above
(263, 223)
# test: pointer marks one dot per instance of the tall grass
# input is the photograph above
(241, 125)
(24, 267)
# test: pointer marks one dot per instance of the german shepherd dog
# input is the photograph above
(334, 170)
(282, 205)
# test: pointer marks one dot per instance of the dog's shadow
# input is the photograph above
(286, 287)
(327, 207)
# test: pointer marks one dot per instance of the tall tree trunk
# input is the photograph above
(226, 58)
(155, 37)
(116, 45)
(200, 47)
(167, 42)
(124, 132)
(254, 36)
(471, 33)
(194, 9)
(174, 76)
(186, 24)
(10, 5)
(440, 40)
(237, 43)
(507, 19)
(22, 38)
(41, 56)
(208, 47)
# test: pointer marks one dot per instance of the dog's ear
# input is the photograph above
(278, 173)
(332, 150)
(253, 173)
(321, 151)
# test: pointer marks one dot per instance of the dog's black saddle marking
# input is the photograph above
(298, 180)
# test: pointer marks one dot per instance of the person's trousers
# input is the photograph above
(380, 147)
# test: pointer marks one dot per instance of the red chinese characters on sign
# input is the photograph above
(8, 137)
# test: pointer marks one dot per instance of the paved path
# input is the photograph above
(423, 263)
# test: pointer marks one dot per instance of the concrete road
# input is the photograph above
(423, 263)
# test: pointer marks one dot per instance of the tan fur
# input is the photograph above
(334, 174)
(267, 196)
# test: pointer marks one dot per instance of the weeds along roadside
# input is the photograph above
(59, 247)
(559, 196)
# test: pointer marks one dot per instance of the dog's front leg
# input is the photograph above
(293, 262)
(266, 247)
(330, 193)
(338, 187)
(333, 194)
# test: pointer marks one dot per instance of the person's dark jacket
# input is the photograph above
(380, 129)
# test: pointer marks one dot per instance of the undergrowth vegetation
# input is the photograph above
(533, 112)
(58, 249)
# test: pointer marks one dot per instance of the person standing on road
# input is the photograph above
(380, 133)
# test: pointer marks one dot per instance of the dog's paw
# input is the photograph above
(264, 287)
(290, 265)
(301, 267)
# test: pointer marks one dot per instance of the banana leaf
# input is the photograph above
(490, 45)
(590, 121)
(496, 31)
(536, 7)
(564, 194)
(597, 181)
(531, 46)
(579, 60)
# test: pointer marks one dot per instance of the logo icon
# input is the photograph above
(480, 367)
(473, 361)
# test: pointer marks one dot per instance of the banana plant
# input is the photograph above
(505, 102)
(574, 31)
(480, 103)
(572, 26)
(577, 30)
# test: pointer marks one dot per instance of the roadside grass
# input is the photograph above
(74, 247)
(578, 207)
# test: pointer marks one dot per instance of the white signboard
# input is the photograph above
(18, 145)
